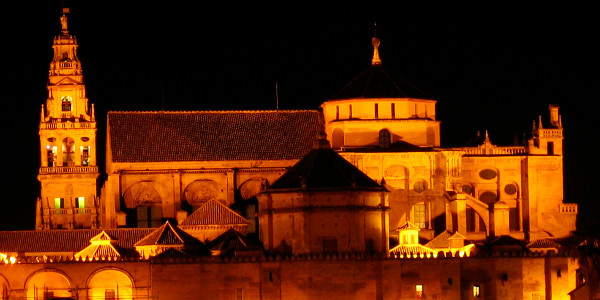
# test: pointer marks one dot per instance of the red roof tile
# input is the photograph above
(211, 135)
(214, 213)
(65, 240)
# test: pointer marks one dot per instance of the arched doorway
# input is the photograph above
(49, 284)
(110, 283)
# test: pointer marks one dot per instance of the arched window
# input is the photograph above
(67, 103)
(337, 138)
(384, 139)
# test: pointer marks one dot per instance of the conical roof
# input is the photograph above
(324, 168)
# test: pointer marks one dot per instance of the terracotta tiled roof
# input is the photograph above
(168, 235)
(544, 243)
(211, 135)
(103, 245)
(412, 249)
(66, 240)
(442, 240)
(214, 213)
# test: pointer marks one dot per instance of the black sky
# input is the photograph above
(494, 68)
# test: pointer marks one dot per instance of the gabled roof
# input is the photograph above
(214, 213)
(211, 135)
(167, 235)
(324, 168)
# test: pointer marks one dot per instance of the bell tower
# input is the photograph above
(68, 172)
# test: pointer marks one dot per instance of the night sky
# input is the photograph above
(493, 68)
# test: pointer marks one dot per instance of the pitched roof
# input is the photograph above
(65, 240)
(167, 235)
(415, 249)
(544, 244)
(103, 245)
(375, 82)
(230, 241)
(408, 226)
(211, 135)
(442, 240)
(214, 213)
(324, 168)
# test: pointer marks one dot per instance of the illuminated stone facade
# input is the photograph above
(356, 200)
(68, 172)
(479, 191)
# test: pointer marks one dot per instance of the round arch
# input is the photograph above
(4, 287)
(48, 283)
(252, 187)
(201, 191)
(337, 138)
(110, 281)
(142, 193)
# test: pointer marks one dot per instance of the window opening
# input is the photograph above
(66, 103)
(384, 139)
(85, 155)
(419, 291)
(476, 291)
(80, 204)
(419, 213)
(59, 204)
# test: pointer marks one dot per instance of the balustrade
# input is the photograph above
(70, 169)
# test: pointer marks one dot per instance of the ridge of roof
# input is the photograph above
(167, 234)
(213, 212)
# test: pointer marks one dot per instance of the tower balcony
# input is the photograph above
(69, 170)
(65, 125)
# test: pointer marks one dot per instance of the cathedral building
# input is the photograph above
(356, 199)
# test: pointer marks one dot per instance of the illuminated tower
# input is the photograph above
(68, 170)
